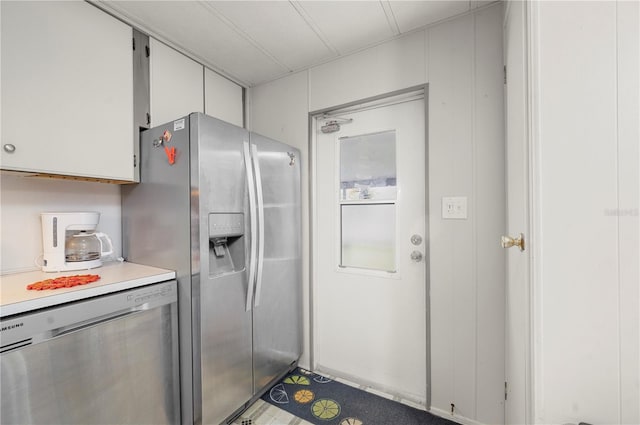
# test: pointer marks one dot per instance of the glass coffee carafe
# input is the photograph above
(86, 246)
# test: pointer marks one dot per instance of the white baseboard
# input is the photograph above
(456, 418)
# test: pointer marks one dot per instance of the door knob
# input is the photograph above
(416, 256)
(508, 242)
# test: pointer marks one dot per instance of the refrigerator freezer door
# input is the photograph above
(221, 319)
(156, 227)
(277, 324)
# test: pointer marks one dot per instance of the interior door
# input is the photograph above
(517, 364)
(370, 245)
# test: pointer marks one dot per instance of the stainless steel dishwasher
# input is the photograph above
(111, 359)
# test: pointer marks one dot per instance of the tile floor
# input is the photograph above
(263, 413)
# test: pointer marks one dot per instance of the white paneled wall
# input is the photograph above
(628, 207)
(452, 252)
(586, 137)
(462, 61)
(466, 158)
(390, 66)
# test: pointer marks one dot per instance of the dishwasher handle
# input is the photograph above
(64, 330)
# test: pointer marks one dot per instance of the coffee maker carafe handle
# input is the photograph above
(104, 237)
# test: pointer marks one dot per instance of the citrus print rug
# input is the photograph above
(321, 401)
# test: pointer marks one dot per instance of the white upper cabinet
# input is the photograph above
(223, 98)
(67, 91)
(177, 86)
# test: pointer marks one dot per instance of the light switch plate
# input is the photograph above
(454, 208)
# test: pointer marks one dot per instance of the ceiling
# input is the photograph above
(252, 42)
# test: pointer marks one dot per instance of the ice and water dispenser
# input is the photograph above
(226, 243)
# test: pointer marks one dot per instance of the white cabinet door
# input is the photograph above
(176, 84)
(223, 98)
(67, 91)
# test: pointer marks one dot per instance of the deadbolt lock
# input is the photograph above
(416, 256)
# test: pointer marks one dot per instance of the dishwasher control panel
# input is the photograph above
(155, 292)
(40, 325)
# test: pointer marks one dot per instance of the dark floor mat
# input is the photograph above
(321, 401)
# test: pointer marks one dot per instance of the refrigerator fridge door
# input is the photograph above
(221, 319)
(277, 323)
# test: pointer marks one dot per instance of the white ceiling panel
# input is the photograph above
(349, 25)
(278, 28)
(479, 3)
(415, 14)
(194, 28)
(252, 42)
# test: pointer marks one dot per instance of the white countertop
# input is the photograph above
(15, 298)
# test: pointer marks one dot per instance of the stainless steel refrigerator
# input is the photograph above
(221, 206)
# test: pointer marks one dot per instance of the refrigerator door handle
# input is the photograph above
(252, 215)
(256, 165)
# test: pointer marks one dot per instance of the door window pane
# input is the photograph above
(368, 236)
(368, 167)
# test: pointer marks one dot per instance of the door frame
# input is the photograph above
(381, 100)
(532, 229)
(532, 40)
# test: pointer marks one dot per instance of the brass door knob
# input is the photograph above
(508, 242)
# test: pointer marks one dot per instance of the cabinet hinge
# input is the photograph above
(147, 50)
(148, 118)
(505, 74)
(505, 390)
(133, 42)
(135, 161)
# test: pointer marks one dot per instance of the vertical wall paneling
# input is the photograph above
(628, 55)
(177, 86)
(453, 289)
(222, 98)
(391, 66)
(578, 311)
(579, 116)
(466, 158)
(279, 110)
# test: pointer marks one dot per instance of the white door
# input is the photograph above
(369, 291)
(518, 372)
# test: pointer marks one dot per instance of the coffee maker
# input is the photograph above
(70, 242)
